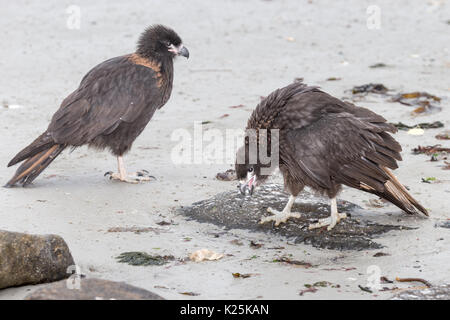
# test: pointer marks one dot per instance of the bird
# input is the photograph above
(323, 143)
(110, 108)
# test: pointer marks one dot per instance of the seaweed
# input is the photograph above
(143, 259)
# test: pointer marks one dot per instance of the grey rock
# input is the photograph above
(233, 210)
(32, 259)
(442, 224)
(92, 289)
(433, 293)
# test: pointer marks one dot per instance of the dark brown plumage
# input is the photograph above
(112, 105)
(325, 143)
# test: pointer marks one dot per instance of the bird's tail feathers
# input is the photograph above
(35, 164)
(43, 142)
(396, 193)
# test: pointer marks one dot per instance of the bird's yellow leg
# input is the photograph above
(332, 220)
(282, 216)
(139, 176)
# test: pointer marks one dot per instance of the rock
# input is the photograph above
(442, 224)
(92, 289)
(433, 293)
(233, 210)
(32, 259)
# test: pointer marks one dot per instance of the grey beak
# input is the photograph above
(184, 52)
(245, 189)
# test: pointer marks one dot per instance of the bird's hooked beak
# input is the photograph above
(179, 51)
(247, 187)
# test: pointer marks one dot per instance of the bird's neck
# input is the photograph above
(167, 67)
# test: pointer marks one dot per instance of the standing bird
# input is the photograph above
(112, 105)
(324, 143)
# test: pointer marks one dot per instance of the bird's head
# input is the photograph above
(158, 41)
(249, 175)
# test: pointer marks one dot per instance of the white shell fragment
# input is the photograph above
(416, 131)
(205, 254)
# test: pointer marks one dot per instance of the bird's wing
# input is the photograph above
(345, 148)
(117, 90)
(354, 149)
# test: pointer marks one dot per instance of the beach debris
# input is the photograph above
(366, 289)
(6, 105)
(430, 180)
(136, 258)
(192, 294)
(205, 254)
(423, 125)
(426, 102)
(340, 269)
(302, 264)
(414, 98)
(237, 106)
(164, 223)
(443, 136)
(426, 109)
(255, 245)
(425, 282)
(376, 88)
(416, 131)
(225, 115)
(322, 284)
(443, 224)
(236, 242)
(384, 279)
(333, 79)
(242, 275)
(160, 287)
(229, 175)
(381, 254)
(378, 65)
(308, 289)
(135, 229)
(447, 165)
(206, 122)
(430, 150)
(319, 284)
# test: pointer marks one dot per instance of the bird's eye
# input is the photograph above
(250, 169)
(168, 44)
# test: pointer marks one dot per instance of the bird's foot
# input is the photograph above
(329, 222)
(139, 176)
(279, 216)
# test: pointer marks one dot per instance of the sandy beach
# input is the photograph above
(239, 52)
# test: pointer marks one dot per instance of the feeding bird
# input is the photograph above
(323, 143)
(110, 108)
